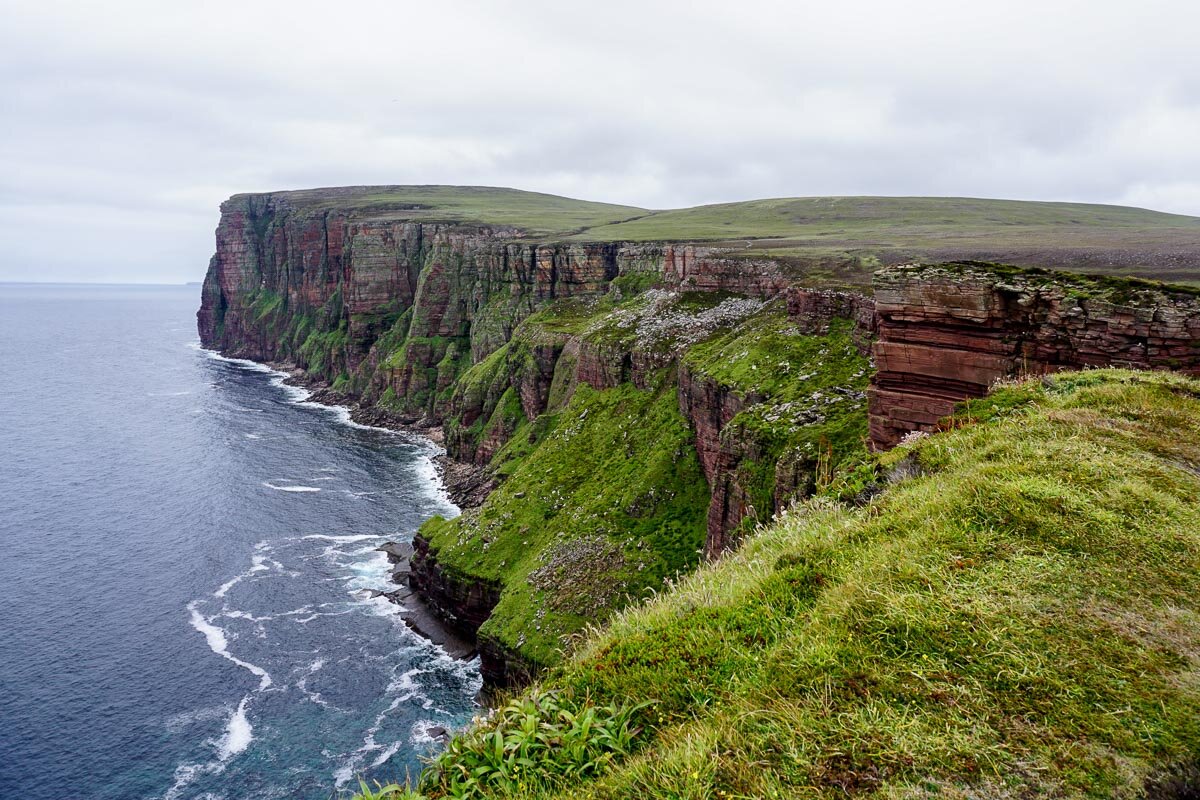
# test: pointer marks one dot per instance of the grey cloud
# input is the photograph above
(128, 122)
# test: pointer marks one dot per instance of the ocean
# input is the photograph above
(188, 549)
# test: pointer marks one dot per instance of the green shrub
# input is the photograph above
(535, 742)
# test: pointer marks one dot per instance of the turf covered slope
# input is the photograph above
(671, 423)
(1015, 614)
(533, 213)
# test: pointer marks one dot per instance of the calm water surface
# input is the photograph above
(187, 548)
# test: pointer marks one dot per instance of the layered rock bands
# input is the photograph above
(398, 314)
(949, 332)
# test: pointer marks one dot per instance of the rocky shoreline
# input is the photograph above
(467, 485)
(416, 614)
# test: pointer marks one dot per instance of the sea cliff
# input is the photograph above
(634, 405)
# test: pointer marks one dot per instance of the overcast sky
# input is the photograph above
(124, 124)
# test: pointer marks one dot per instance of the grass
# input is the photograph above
(533, 743)
(533, 212)
(1018, 618)
(602, 497)
(606, 503)
(840, 240)
(856, 218)
(809, 412)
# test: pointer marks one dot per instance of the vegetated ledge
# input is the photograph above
(716, 385)
(1014, 615)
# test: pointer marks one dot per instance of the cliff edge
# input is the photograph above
(644, 388)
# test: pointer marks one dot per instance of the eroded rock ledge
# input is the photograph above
(482, 335)
(949, 332)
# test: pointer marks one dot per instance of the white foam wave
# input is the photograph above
(219, 645)
(293, 488)
(238, 733)
(296, 394)
(246, 363)
(426, 475)
(386, 754)
(374, 573)
(315, 697)
(405, 682)
(186, 773)
(369, 550)
(302, 684)
(360, 537)
(426, 471)
(343, 774)
(410, 689)
(420, 736)
(238, 614)
(252, 435)
(257, 565)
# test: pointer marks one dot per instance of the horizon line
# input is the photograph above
(98, 283)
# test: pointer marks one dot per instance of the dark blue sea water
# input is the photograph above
(185, 549)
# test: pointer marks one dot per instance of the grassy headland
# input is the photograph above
(602, 497)
(846, 236)
(1014, 615)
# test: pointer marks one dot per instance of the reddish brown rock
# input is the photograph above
(814, 310)
(709, 407)
(949, 332)
(463, 602)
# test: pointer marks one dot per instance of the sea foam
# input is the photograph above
(257, 566)
(293, 488)
(238, 733)
(219, 645)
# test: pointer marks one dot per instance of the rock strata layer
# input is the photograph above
(431, 324)
(948, 333)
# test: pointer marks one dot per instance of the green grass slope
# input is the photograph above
(1015, 615)
(869, 231)
(534, 212)
(602, 497)
(852, 235)
(863, 218)
(606, 502)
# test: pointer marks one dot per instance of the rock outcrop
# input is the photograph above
(710, 406)
(417, 318)
(948, 333)
(439, 322)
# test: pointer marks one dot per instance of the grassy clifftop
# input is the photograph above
(867, 231)
(1015, 614)
(538, 214)
(602, 496)
(830, 231)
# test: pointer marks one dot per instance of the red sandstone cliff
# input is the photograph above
(947, 333)
(394, 312)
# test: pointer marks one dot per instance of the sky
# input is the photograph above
(124, 124)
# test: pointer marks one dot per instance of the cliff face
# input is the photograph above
(399, 308)
(948, 333)
(637, 405)
(492, 335)
(394, 312)
(383, 304)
